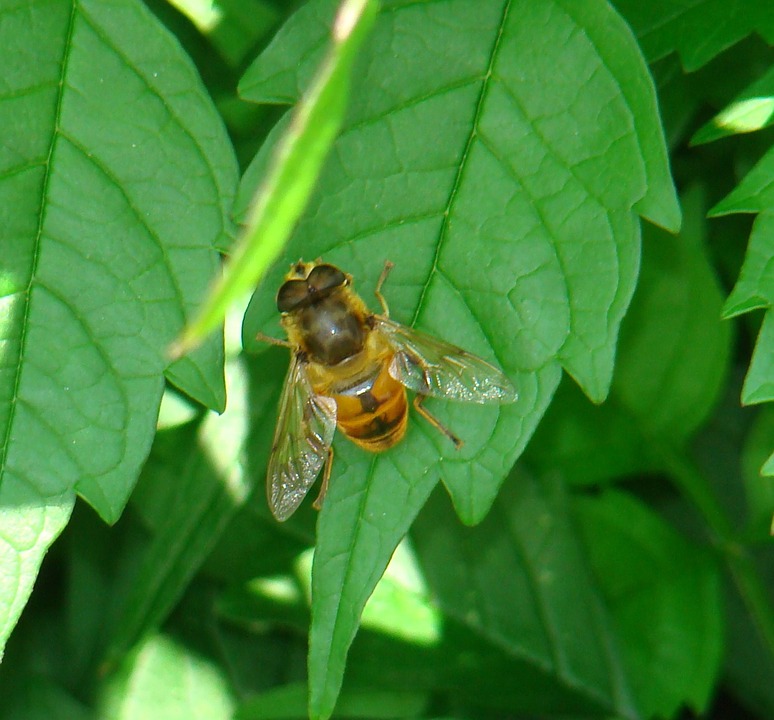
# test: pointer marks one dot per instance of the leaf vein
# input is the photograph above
(463, 161)
(162, 98)
(141, 220)
(413, 102)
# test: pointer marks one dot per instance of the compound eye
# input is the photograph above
(291, 294)
(325, 277)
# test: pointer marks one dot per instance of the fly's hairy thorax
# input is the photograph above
(331, 330)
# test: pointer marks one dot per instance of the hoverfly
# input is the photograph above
(350, 367)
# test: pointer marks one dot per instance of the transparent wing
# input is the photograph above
(302, 439)
(430, 366)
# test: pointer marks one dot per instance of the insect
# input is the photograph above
(350, 367)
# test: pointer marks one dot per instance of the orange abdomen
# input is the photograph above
(374, 419)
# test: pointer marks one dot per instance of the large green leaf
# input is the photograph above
(698, 30)
(526, 304)
(665, 596)
(507, 194)
(115, 181)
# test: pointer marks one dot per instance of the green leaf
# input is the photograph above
(276, 76)
(697, 30)
(751, 110)
(520, 583)
(493, 183)
(109, 222)
(494, 156)
(755, 287)
(166, 681)
(291, 177)
(665, 596)
(368, 509)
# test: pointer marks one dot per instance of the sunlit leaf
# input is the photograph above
(109, 222)
(507, 194)
(166, 681)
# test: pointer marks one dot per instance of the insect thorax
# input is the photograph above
(330, 330)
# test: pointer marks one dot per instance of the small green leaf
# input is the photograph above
(275, 76)
(751, 110)
(166, 681)
(291, 177)
(759, 382)
(755, 194)
(665, 595)
(109, 222)
(698, 30)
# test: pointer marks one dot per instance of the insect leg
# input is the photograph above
(378, 291)
(317, 504)
(434, 421)
(260, 337)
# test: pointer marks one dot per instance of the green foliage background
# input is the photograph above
(576, 190)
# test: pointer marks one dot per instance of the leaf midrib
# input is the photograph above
(4, 450)
(443, 233)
